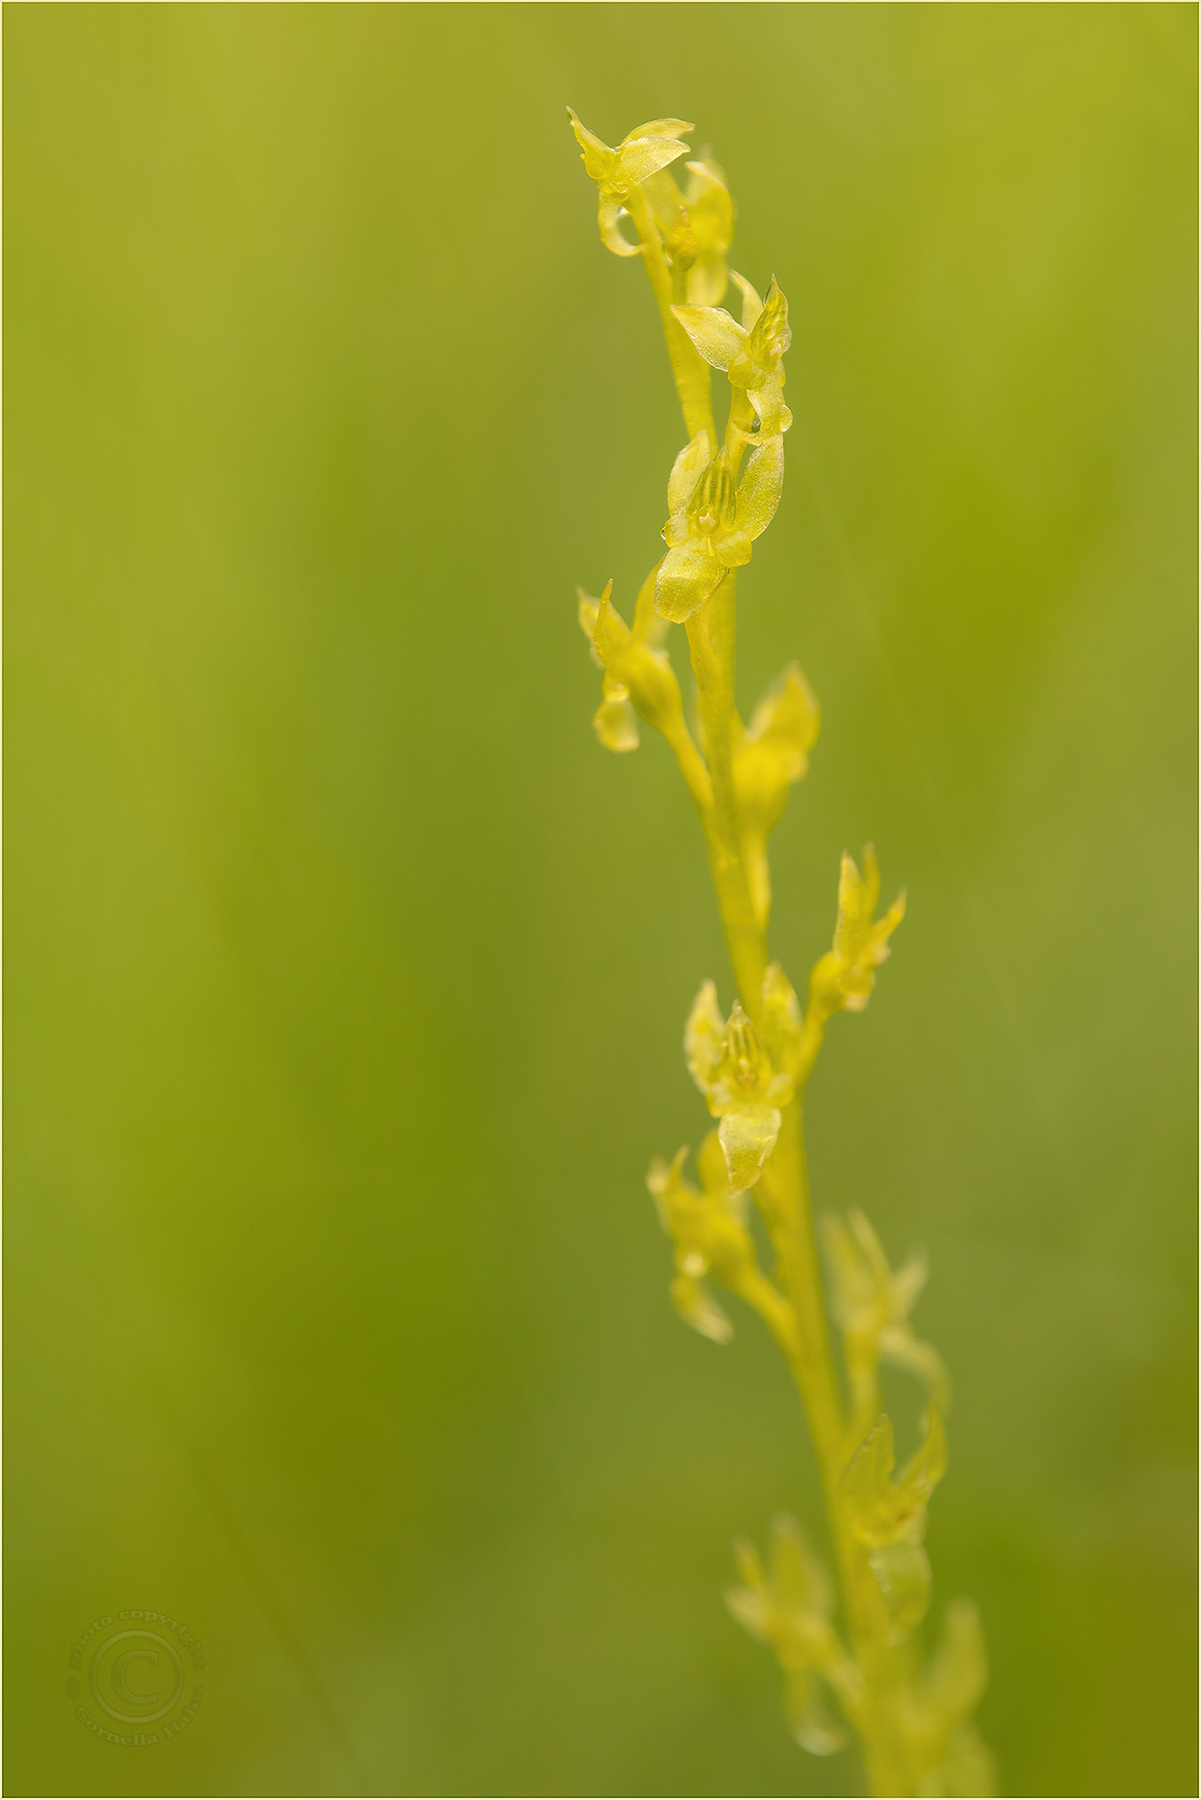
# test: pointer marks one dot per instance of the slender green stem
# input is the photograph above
(711, 642)
(689, 367)
(692, 768)
(784, 1201)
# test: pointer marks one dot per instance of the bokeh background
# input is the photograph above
(347, 973)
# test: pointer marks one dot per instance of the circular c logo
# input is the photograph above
(136, 1677)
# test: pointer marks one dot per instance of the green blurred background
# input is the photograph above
(347, 973)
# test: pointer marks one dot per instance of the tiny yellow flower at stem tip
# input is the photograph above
(641, 153)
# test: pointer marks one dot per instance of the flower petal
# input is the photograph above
(771, 335)
(589, 610)
(658, 128)
(611, 635)
(685, 581)
(752, 306)
(752, 1609)
(748, 1137)
(810, 1723)
(799, 1575)
(958, 1671)
(686, 471)
(643, 156)
(598, 157)
(768, 402)
(663, 192)
(760, 488)
(704, 1035)
(614, 721)
(696, 1305)
(880, 1510)
(716, 335)
(734, 549)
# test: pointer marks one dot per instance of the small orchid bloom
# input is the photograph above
(935, 1712)
(614, 721)
(709, 1230)
(697, 225)
(872, 1304)
(741, 1088)
(639, 678)
(769, 756)
(789, 1608)
(846, 975)
(880, 1510)
(713, 524)
(641, 153)
(752, 354)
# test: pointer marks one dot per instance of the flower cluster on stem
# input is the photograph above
(862, 1673)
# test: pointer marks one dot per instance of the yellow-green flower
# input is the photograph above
(768, 757)
(879, 1510)
(734, 1072)
(697, 225)
(846, 975)
(790, 1610)
(708, 1228)
(872, 1303)
(641, 153)
(638, 672)
(934, 1710)
(613, 721)
(713, 522)
(752, 354)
